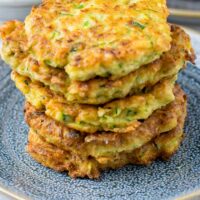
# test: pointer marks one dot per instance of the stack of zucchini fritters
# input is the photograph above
(99, 81)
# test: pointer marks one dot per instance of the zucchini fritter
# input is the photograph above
(104, 144)
(102, 38)
(95, 91)
(61, 160)
(112, 116)
(59, 148)
(99, 80)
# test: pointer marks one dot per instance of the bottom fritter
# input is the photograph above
(60, 160)
(54, 146)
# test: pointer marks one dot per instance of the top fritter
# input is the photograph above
(103, 38)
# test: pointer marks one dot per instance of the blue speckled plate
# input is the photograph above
(22, 177)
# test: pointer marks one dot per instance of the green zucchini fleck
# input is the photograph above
(26, 82)
(117, 111)
(106, 74)
(120, 65)
(55, 34)
(139, 25)
(112, 126)
(67, 118)
(48, 62)
(79, 6)
(73, 49)
(117, 93)
(63, 13)
(130, 112)
(82, 123)
(86, 24)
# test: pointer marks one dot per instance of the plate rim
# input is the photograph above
(191, 30)
(7, 191)
(190, 196)
(14, 4)
(20, 196)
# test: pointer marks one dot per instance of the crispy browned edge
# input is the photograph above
(62, 158)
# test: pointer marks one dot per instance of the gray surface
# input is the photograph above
(184, 4)
(197, 28)
(5, 197)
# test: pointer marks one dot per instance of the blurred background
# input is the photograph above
(185, 12)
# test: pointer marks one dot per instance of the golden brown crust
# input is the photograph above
(52, 154)
(105, 144)
(114, 116)
(61, 160)
(101, 82)
(95, 91)
(98, 37)
(99, 40)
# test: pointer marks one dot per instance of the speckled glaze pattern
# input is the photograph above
(161, 180)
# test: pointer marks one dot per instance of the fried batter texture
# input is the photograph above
(96, 38)
(99, 79)
(99, 90)
(63, 149)
(113, 116)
